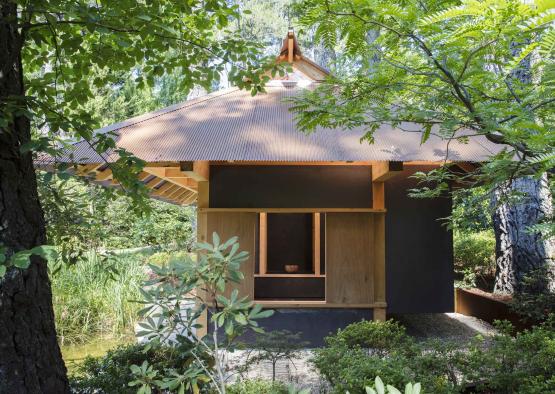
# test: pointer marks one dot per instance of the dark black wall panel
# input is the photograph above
(313, 324)
(289, 241)
(419, 250)
(290, 186)
(268, 288)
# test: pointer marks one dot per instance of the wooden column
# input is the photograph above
(381, 172)
(263, 243)
(379, 266)
(316, 243)
(203, 201)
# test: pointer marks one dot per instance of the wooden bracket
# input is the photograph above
(381, 172)
(384, 170)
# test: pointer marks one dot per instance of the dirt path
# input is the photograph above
(452, 326)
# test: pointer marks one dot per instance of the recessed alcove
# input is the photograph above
(289, 242)
(286, 238)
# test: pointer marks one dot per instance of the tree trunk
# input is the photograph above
(518, 250)
(30, 358)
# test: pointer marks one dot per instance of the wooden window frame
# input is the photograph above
(263, 249)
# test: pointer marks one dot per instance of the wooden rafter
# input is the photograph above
(165, 190)
(173, 175)
(175, 182)
(153, 182)
(162, 189)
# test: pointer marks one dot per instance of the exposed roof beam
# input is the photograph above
(466, 166)
(384, 170)
(104, 175)
(198, 170)
(173, 175)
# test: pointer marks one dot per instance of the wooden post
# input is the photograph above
(203, 201)
(316, 243)
(379, 267)
(263, 244)
(381, 171)
(378, 195)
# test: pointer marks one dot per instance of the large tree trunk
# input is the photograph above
(518, 250)
(30, 358)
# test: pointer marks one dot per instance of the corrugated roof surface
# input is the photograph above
(233, 125)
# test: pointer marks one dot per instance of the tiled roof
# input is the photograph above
(233, 125)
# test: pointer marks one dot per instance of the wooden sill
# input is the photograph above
(315, 304)
(288, 276)
(292, 210)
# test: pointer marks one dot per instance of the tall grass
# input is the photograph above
(89, 301)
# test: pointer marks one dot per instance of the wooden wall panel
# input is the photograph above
(242, 225)
(349, 258)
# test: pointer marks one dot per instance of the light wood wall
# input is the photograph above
(355, 244)
(242, 225)
(350, 260)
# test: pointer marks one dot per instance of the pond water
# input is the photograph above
(75, 354)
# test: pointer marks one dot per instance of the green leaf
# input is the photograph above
(3, 269)
(426, 133)
(240, 318)
(380, 389)
(392, 390)
(21, 259)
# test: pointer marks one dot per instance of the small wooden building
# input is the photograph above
(327, 203)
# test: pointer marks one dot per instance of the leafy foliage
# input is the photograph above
(380, 388)
(455, 70)
(111, 373)
(535, 301)
(95, 297)
(176, 297)
(523, 363)
(474, 257)
(70, 51)
(80, 217)
(505, 363)
(22, 258)
(257, 386)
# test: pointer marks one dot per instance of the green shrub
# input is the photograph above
(504, 364)
(378, 336)
(111, 373)
(474, 255)
(534, 301)
(90, 300)
(257, 386)
(523, 363)
(357, 354)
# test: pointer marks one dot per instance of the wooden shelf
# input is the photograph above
(315, 304)
(292, 210)
(288, 276)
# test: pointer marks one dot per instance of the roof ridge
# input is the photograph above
(166, 110)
